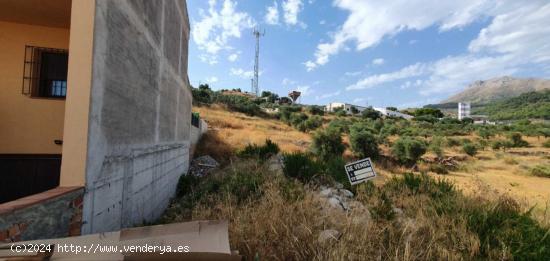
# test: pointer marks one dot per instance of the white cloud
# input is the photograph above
(378, 61)
(351, 74)
(328, 95)
(515, 39)
(242, 73)
(370, 21)
(322, 22)
(310, 66)
(287, 81)
(305, 90)
(291, 10)
(272, 15)
(374, 80)
(209, 59)
(212, 79)
(215, 28)
(409, 84)
(233, 57)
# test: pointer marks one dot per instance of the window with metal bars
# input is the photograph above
(45, 72)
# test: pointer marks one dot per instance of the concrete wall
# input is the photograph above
(140, 112)
(196, 133)
(27, 125)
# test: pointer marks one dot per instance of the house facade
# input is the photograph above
(331, 107)
(95, 114)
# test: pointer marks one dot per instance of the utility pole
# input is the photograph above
(255, 88)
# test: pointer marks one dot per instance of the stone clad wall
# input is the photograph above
(50, 214)
(140, 112)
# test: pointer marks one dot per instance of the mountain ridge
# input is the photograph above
(485, 91)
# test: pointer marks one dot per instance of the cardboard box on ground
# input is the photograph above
(206, 240)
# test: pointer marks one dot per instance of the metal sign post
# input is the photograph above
(360, 171)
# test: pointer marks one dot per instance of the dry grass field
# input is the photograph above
(238, 129)
(275, 215)
(492, 173)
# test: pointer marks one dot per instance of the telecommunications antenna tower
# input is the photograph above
(255, 88)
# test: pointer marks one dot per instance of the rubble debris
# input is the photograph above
(202, 166)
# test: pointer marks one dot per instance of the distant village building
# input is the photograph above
(331, 107)
(283, 101)
(464, 109)
(390, 113)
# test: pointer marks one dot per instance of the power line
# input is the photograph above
(255, 88)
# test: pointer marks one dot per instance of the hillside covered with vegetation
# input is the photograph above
(283, 188)
(532, 105)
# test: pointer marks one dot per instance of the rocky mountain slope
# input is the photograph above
(498, 88)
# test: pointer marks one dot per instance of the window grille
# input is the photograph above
(45, 72)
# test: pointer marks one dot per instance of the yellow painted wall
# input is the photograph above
(27, 125)
(75, 147)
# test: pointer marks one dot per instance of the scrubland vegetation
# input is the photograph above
(447, 189)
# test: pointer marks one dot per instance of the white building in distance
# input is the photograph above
(348, 109)
(331, 107)
(464, 109)
(390, 113)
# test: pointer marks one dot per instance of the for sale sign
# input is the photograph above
(360, 171)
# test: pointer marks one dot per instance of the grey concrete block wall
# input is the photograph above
(140, 112)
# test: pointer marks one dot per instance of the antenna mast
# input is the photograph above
(255, 88)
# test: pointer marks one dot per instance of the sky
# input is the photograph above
(403, 53)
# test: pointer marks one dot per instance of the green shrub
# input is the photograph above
(316, 110)
(383, 210)
(334, 168)
(341, 113)
(496, 145)
(297, 117)
(408, 150)
(503, 227)
(541, 171)
(436, 146)
(470, 149)
(452, 142)
(242, 185)
(546, 144)
(517, 140)
(286, 111)
(439, 168)
(300, 166)
(370, 113)
(186, 184)
(312, 123)
(240, 104)
(485, 133)
(465, 141)
(327, 143)
(363, 141)
(262, 152)
(341, 124)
